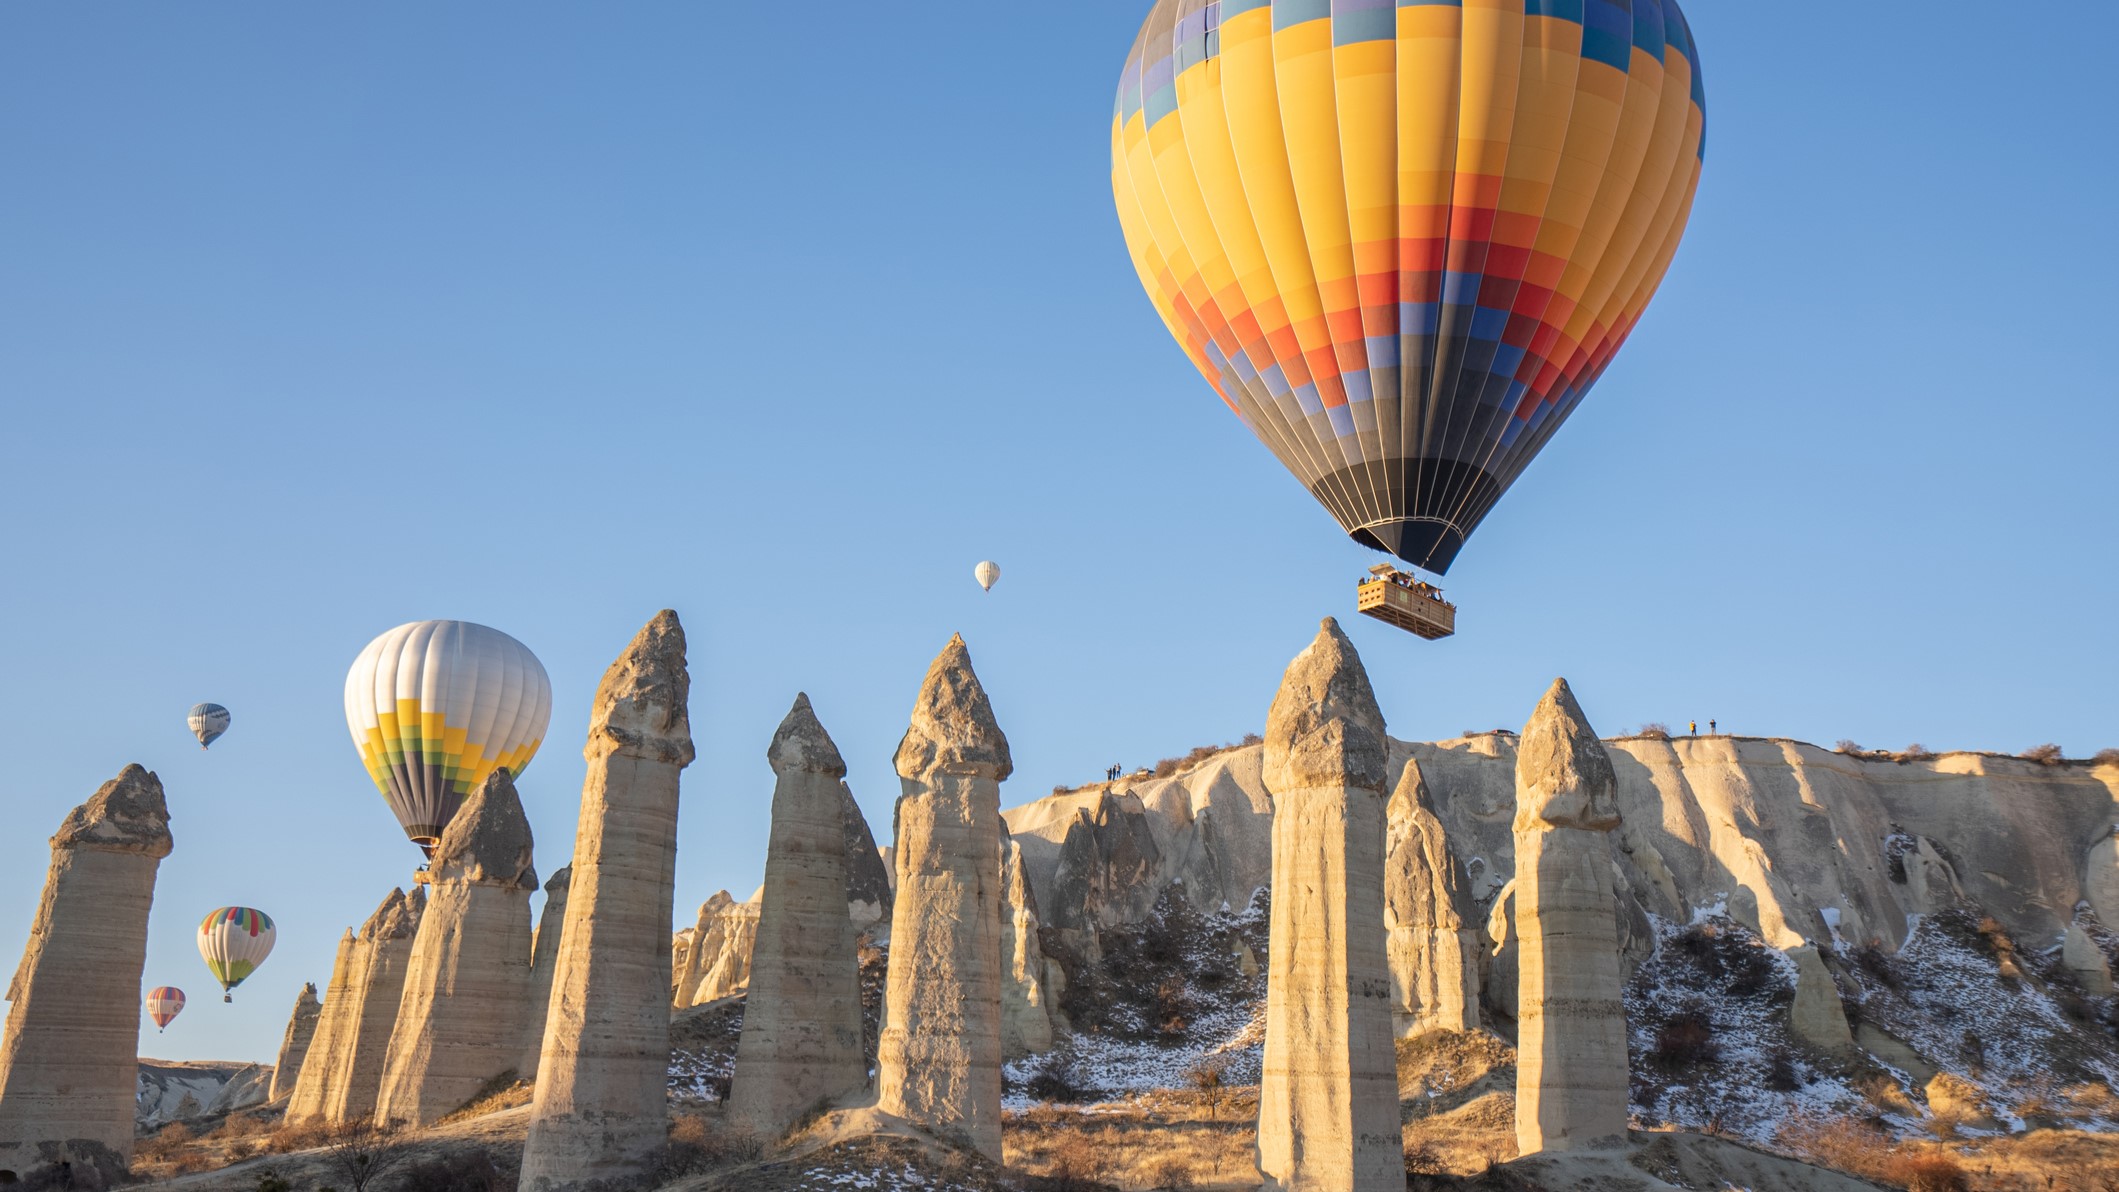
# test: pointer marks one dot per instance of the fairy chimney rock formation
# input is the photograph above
(544, 961)
(1328, 1096)
(1026, 1019)
(69, 1067)
(294, 1045)
(801, 1041)
(1571, 1085)
(466, 985)
(383, 954)
(1431, 917)
(939, 1063)
(601, 1111)
(320, 1066)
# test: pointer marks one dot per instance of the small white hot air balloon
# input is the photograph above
(987, 573)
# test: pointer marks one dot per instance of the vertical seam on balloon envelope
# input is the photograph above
(1595, 215)
(1266, 423)
(1452, 344)
(1672, 210)
(1293, 427)
(1545, 51)
(1377, 22)
(1302, 424)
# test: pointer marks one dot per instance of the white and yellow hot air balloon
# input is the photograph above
(435, 707)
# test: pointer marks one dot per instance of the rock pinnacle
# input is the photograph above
(1563, 775)
(128, 814)
(489, 841)
(642, 702)
(1324, 728)
(802, 745)
(953, 730)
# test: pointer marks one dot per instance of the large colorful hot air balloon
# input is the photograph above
(207, 722)
(164, 1003)
(435, 707)
(1403, 239)
(234, 941)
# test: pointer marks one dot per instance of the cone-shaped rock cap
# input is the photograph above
(393, 907)
(399, 920)
(953, 730)
(561, 882)
(489, 840)
(1412, 793)
(1563, 775)
(802, 746)
(641, 704)
(1325, 728)
(126, 815)
(306, 1000)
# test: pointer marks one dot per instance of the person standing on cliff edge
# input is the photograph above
(1692, 728)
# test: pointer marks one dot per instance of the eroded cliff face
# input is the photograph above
(1799, 843)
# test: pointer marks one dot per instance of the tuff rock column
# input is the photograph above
(1026, 1025)
(601, 1110)
(458, 1025)
(939, 1062)
(801, 1042)
(334, 1023)
(1433, 952)
(69, 1070)
(356, 1076)
(1570, 1025)
(1328, 1098)
(544, 961)
(294, 1045)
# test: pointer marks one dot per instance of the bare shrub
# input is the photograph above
(696, 1147)
(1685, 1042)
(1916, 752)
(300, 1136)
(1654, 730)
(1849, 748)
(363, 1153)
(2107, 757)
(1422, 1159)
(1210, 1079)
(1170, 1174)
(2047, 754)
(1170, 767)
(461, 1171)
(1053, 1080)
(1930, 1172)
(1842, 1144)
(1072, 1163)
(166, 1143)
(272, 1181)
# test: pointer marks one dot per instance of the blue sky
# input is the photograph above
(314, 321)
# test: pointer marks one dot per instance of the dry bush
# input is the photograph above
(1654, 730)
(240, 1125)
(1422, 1159)
(1210, 1078)
(2107, 757)
(1842, 1144)
(363, 1153)
(2047, 754)
(696, 1147)
(1071, 1163)
(1053, 1079)
(1929, 1172)
(461, 1171)
(1685, 1042)
(165, 1144)
(1170, 767)
(1849, 748)
(1170, 1175)
(300, 1136)
(1916, 753)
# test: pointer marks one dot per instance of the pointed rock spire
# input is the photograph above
(642, 701)
(953, 730)
(1325, 728)
(802, 746)
(489, 841)
(1563, 775)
